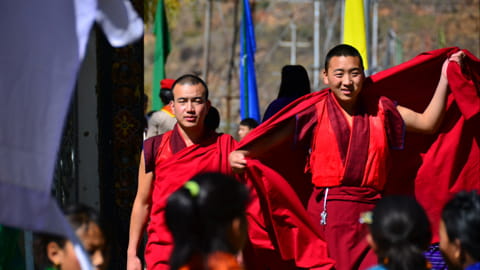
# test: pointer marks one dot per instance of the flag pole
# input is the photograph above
(316, 45)
(206, 41)
(374, 50)
(231, 67)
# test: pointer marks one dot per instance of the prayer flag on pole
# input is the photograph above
(249, 107)
(162, 49)
(354, 33)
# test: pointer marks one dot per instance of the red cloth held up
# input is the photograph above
(431, 167)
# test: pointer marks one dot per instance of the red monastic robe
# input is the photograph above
(352, 163)
(431, 167)
(340, 157)
(173, 164)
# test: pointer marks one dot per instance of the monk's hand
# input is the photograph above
(133, 263)
(456, 57)
(237, 160)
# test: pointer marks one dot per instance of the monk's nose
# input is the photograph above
(347, 80)
(190, 107)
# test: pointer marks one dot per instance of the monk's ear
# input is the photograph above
(325, 77)
(55, 253)
(172, 105)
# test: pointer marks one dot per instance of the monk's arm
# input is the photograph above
(261, 145)
(429, 121)
(139, 217)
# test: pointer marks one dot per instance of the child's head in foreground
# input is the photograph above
(400, 233)
(57, 252)
(460, 230)
(207, 215)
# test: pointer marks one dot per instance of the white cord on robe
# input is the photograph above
(323, 215)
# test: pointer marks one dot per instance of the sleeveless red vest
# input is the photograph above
(365, 149)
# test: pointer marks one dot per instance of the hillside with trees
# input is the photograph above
(406, 28)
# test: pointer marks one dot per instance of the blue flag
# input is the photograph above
(248, 83)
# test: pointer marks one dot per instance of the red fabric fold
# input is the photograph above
(434, 167)
(466, 88)
(285, 225)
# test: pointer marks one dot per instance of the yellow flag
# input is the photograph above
(354, 33)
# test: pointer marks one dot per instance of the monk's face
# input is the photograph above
(190, 105)
(345, 77)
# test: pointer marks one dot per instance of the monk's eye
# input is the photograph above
(198, 100)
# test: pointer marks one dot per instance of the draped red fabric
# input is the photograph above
(431, 167)
(434, 167)
(283, 224)
(171, 174)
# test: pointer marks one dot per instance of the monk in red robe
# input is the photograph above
(167, 162)
(348, 138)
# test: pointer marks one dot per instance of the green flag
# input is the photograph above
(162, 48)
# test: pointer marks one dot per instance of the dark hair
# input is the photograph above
(461, 216)
(166, 95)
(212, 120)
(249, 122)
(77, 215)
(199, 220)
(401, 232)
(190, 79)
(342, 50)
(295, 82)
